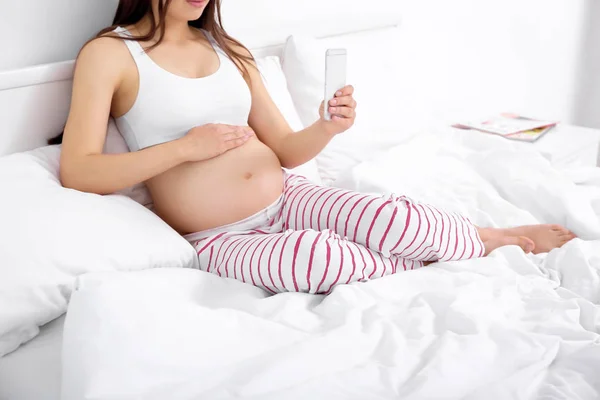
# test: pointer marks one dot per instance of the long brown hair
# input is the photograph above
(130, 12)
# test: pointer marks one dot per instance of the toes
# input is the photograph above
(567, 238)
(558, 228)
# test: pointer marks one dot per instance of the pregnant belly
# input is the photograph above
(203, 195)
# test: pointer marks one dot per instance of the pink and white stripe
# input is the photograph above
(390, 225)
(330, 236)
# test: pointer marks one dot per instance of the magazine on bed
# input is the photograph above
(511, 126)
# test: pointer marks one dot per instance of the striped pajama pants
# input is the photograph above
(314, 238)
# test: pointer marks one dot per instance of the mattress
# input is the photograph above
(33, 371)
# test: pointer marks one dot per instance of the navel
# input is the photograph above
(247, 175)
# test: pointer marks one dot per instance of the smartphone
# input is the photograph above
(335, 75)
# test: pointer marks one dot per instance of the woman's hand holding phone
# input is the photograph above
(342, 109)
(338, 109)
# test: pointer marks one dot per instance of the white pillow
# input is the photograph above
(276, 84)
(384, 114)
(49, 235)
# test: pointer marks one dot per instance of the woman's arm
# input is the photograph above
(294, 149)
(83, 167)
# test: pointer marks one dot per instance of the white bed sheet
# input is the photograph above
(509, 326)
(33, 371)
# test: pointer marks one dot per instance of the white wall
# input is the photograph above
(43, 31)
(587, 106)
(468, 57)
(54, 30)
(480, 57)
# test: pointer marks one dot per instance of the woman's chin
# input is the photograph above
(196, 7)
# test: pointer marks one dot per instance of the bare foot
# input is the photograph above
(493, 238)
(545, 237)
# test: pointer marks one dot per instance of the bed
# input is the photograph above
(509, 326)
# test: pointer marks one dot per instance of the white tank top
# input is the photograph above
(168, 105)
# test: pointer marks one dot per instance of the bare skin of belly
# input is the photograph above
(203, 195)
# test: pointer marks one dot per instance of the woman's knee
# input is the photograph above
(326, 260)
(308, 260)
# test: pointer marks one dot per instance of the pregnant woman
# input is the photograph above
(210, 144)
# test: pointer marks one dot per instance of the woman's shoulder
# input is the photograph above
(107, 45)
(107, 49)
(104, 56)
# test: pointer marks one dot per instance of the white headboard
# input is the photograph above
(34, 101)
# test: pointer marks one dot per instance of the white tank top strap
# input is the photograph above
(135, 48)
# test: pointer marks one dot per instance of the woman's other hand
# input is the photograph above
(212, 140)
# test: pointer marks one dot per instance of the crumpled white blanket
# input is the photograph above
(509, 326)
